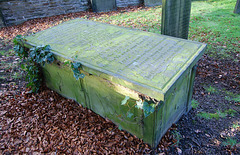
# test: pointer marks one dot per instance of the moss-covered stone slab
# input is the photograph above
(141, 81)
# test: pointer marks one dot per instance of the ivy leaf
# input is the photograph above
(47, 48)
(124, 101)
(139, 104)
(129, 114)
(40, 54)
(77, 75)
(66, 62)
(148, 108)
(76, 65)
(81, 75)
(120, 127)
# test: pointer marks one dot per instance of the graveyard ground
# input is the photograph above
(48, 123)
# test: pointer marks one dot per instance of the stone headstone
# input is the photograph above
(237, 7)
(103, 5)
(2, 24)
(175, 18)
(152, 2)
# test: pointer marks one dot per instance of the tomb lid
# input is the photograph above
(149, 60)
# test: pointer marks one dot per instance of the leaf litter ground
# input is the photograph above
(48, 123)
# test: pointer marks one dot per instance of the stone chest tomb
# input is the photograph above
(141, 81)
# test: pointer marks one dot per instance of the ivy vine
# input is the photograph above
(75, 66)
(147, 107)
(33, 58)
(36, 57)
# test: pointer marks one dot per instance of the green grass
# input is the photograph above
(194, 104)
(236, 125)
(6, 53)
(230, 142)
(2, 52)
(143, 19)
(230, 112)
(215, 23)
(177, 136)
(232, 97)
(229, 95)
(206, 115)
(218, 114)
(212, 22)
(211, 89)
(16, 75)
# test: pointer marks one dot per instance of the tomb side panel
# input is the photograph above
(174, 106)
(105, 98)
(60, 79)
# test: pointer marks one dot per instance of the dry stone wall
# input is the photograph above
(14, 12)
(125, 3)
(18, 11)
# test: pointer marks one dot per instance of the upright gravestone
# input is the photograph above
(103, 5)
(237, 7)
(2, 24)
(152, 2)
(175, 18)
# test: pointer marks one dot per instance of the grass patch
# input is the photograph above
(144, 19)
(236, 125)
(233, 98)
(6, 53)
(177, 137)
(2, 52)
(16, 75)
(230, 112)
(218, 114)
(206, 115)
(231, 142)
(211, 89)
(194, 104)
(214, 22)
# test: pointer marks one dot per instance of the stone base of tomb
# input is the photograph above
(104, 97)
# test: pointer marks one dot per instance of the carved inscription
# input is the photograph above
(139, 56)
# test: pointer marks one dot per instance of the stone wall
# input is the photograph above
(18, 11)
(124, 3)
(14, 12)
